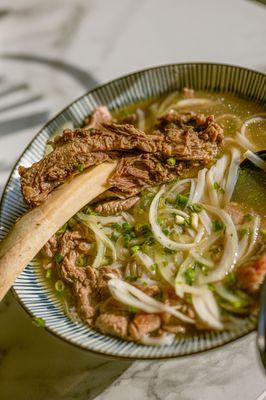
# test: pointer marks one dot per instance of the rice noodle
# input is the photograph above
(192, 191)
(156, 229)
(164, 340)
(220, 168)
(199, 189)
(131, 296)
(232, 175)
(206, 221)
(229, 256)
(178, 186)
(193, 102)
(169, 210)
(242, 247)
(141, 119)
(213, 195)
(244, 142)
(102, 220)
(145, 260)
(128, 217)
(256, 160)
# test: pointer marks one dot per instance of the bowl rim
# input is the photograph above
(14, 293)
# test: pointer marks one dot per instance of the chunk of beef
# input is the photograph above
(115, 324)
(50, 248)
(99, 116)
(251, 275)
(116, 206)
(137, 172)
(143, 324)
(188, 93)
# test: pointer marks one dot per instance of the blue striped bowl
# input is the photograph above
(30, 288)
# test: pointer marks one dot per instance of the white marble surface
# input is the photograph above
(109, 38)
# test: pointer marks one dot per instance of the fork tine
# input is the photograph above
(14, 88)
(21, 103)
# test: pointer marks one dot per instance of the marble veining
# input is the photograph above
(108, 39)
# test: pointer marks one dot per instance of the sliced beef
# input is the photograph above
(251, 275)
(137, 172)
(187, 137)
(116, 206)
(143, 324)
(115, 323)
(42, 177)
(99, 116)
(188, 93)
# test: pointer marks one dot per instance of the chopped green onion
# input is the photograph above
(171, 161)
(131, 278)
(80, 167)
(116, 226)
(59, 258)
(165, 263)
(135, 249)
(197, 208)
(154, 267)
(248, 218)
(39, 322)
(166, 232)
(231, 278)
(181, 200)
(72, 222)
(190, 275)
(81, 261)
(217, 225)
(218, 188)
(133, 309)
(48, 273)
(62, 229)
(127, 227)
(59, 286)
(186, 222)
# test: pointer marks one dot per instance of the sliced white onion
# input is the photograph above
(102, 220)
(242, 247)
(98, 231)
(248, 122)
(131, 296)
(205, 309)
(145, 260)
(169, 210)
(128, 217)
(100, 253)
(178, 186)
(220, 168)
(165, 340)
(192, 191)
(256, 160)
(230, 248)
(253, 239)
(213, 195)
(156, 229)
(201, 259)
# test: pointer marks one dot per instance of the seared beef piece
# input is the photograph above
(115, 323)
(50, 248)
(42, 177)
(205, 127)
(188, 137)
(188, 93)
(143, 324)
(98, 117)
(251, 275)
(137, 172)
(115, 206)
(88, 285)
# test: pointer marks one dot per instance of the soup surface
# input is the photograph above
(157, 262)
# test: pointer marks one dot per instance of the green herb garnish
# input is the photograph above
(80, 167)
(39, 322)
(197, 208)
(231, 278)
(59, 258)
(217, 225)
(218, 188)
(135, 249)
(190, 275)
(166, 232)
(154, 267)
(171, 161)
(59, 286)
(248, 218)
(181, 201)
(48, 273)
